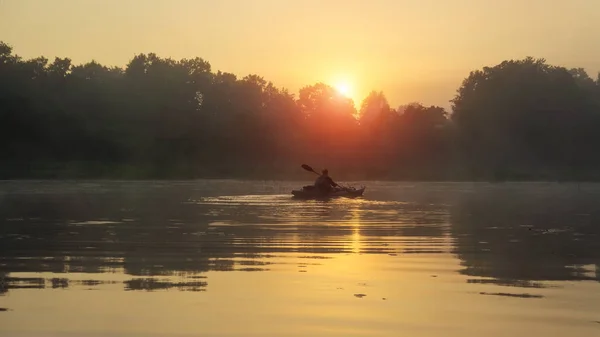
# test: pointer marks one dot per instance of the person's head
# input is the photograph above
(325, 172)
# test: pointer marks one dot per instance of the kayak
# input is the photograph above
(310, 192)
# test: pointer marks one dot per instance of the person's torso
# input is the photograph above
(321, 180)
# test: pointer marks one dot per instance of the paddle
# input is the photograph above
(309, 169)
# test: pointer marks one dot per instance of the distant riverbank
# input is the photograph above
(104, 171)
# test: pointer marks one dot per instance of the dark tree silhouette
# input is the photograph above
(164, 118)
(527, 116)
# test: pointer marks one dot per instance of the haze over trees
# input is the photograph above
(164, 118)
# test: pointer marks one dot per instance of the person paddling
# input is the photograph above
(324, 183)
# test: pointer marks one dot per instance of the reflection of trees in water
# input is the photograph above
(150, 284)
(3, 285)
(147, 284)
(49, 230)
(516, 235)
(174, 231)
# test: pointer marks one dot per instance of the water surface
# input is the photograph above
(235, 258)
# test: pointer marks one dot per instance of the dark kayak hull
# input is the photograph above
(314, 194)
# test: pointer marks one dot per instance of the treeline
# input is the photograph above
(163, 118)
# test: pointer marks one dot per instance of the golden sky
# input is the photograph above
(413, 50)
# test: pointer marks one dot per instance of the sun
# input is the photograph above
(344, 88)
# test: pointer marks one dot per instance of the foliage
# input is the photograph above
(164, 118)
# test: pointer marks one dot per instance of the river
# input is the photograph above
(241, 258)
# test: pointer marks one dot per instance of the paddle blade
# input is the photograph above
(308, 168)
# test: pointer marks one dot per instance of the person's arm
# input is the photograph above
(332, 183)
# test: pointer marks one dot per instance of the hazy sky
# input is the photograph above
(413, 50)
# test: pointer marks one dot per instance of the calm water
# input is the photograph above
(230, 258)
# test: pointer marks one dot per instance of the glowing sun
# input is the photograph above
(344, 88)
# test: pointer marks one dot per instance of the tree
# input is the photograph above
(330, 126)
(165, 118)
(524, 112)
